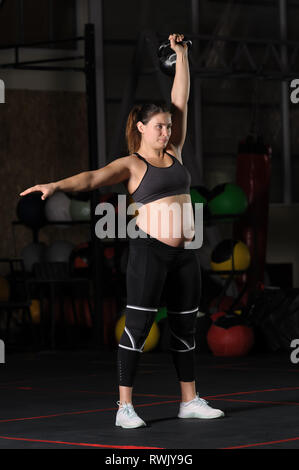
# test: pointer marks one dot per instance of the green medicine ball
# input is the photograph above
(227, 199)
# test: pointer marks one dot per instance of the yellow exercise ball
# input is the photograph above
(35, 311)
(230, 254)
(152, 339)
(4, 289)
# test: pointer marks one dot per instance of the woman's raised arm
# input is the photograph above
(180, 92)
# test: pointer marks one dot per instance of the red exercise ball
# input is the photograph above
(234, 341)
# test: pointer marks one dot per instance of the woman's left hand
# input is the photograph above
(176, 43)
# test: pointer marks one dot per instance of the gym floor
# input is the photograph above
(54, 400)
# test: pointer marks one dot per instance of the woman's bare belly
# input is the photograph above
(169, 219)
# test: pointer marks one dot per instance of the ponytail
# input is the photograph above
(133, 136)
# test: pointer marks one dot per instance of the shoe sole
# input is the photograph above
(130, 427)
(201, 417)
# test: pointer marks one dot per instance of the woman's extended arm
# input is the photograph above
(113, 173)
(180, 92)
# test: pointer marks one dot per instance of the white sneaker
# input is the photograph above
(198, 408)
(127, 418)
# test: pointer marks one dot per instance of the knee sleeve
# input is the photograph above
(137, 327)
(182, 343)
(182, 328)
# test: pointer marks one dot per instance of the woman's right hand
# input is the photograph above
(176, 43)
(46, 189)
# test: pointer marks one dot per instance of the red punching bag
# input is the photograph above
(253, 176)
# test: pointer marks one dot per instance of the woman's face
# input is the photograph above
(157, 131)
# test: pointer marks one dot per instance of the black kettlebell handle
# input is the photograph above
(167, 44)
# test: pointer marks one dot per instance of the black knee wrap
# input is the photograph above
(137, 328)
(139, 321)
(182, 342)
(182, 327)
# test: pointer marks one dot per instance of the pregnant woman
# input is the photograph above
(156, 178)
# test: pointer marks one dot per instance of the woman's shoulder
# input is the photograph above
(129, 159)
(133, 163)
(174, 151)
(132, 159)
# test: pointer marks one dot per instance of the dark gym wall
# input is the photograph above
(43, 138)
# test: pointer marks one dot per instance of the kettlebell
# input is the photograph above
(167, 57)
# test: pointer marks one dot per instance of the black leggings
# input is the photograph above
(155, 268)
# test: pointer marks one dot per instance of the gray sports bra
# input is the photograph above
(159, 182)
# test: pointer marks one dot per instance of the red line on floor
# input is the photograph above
(81, 444)
(147, 404)
(82, 412)
(262, 443)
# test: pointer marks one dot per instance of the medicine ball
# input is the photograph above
(234, 341)
(31, 210)
(230, 255)
(79, 210)
(57, 208)
(227, 199)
